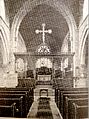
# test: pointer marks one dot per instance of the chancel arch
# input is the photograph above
(28, 6)
(61, 8)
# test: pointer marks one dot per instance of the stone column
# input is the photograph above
(75, 46)
(25, 67)
(62, 67)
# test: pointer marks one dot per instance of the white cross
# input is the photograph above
(43, 31)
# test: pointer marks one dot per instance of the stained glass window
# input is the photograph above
(43, 49)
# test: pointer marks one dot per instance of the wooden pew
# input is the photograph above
(76, 95)
(57, 97)
(28, 98)
(58, 93)
(17, 89)
(80, 112)
(68, 102)
(30, 90)
(26, 82)
(20, 103)
(7, 103)
(27, 93)
(7, 110)
(70, 92)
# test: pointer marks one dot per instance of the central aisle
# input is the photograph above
(44, 106)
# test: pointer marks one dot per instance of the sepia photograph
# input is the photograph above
(44, 59)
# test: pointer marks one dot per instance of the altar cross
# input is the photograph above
(43, 31)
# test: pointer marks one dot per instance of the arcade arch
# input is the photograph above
(3, 46)
(85, 9)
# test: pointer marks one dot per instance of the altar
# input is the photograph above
(44, 78)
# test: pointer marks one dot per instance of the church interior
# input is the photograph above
(44, 59)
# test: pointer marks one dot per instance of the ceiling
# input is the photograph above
(75, 6)
(53, 20)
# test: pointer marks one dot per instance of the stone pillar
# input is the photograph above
(75, 46)
(12, 63)
(25, 67)
(62, 67)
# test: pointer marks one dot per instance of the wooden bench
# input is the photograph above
(31, 90)
(80, 112)
(7, 110)
(59, 92)
(28, 98)
(27, 93)
(20, 103)
(76, 95)
(18, 90)
(68, 104)
(70, 92)
(7, 103)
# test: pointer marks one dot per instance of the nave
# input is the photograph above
(44, 59)
(49, 103)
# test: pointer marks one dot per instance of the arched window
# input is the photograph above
(19, 65)
(43, 62)
(43, 49)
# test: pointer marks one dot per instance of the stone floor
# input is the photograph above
(34, 108)
(51, 94)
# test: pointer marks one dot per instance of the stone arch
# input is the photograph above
(21, 46)
(2, 9)
(3, 39)
(85, 9)
(59, 6)
(84, 59)
(28, 6)
(84, 38)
